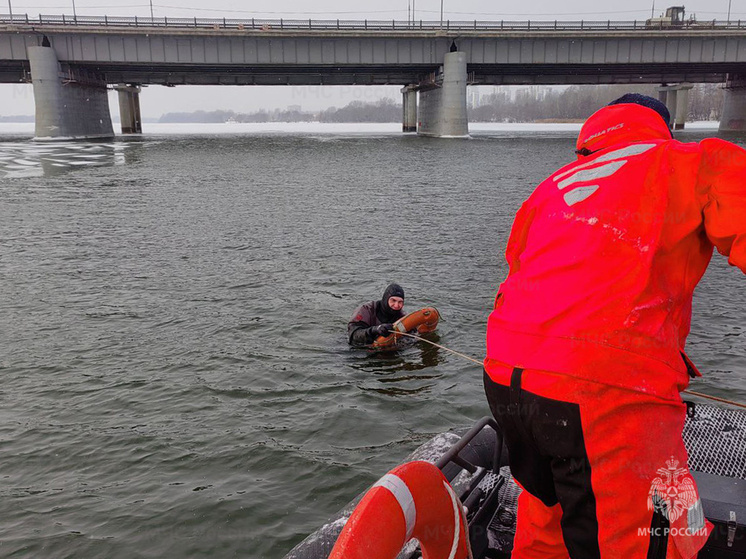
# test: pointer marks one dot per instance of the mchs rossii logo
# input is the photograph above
(673, 495)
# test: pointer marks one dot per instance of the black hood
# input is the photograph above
(393, 290)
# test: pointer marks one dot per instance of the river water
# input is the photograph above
(176, 379)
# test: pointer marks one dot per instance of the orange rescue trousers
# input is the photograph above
(604, 469)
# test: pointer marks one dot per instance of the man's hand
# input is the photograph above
(384, 329)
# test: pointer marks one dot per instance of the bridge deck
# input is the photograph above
(448, 26)
(175, 51)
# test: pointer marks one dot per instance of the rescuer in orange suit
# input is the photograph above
(585, 357)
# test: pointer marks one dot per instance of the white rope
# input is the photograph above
(690, 392)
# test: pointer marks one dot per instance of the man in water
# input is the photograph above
(376, 318)
(585, 357)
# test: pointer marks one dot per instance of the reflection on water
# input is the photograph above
(395, 368)
(37, 159)
(737, 137)
(407, 355)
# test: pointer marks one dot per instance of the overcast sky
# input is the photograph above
(380, 9)
(155, 100)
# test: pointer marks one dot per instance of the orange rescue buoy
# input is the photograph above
(423, 320)
(413, 500)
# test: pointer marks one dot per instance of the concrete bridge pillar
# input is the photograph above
(409, 117)
(734, 104)
(129, 108)
(682, 105)
(676, 98)
(442, 110)
(70, 104)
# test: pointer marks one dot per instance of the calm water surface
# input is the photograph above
(176, 380)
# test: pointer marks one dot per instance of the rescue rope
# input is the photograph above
(438, 345)
(690, 392)
(714, 398)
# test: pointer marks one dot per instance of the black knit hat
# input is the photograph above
(646, 101)
(393, 290)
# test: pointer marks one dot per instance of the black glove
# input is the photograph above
(384, 329)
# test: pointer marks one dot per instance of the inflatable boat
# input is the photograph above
(475, 465)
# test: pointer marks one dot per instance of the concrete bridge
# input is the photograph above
(72, 61)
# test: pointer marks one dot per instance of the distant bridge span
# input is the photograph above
(100, 51)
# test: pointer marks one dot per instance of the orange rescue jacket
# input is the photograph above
(605, 254)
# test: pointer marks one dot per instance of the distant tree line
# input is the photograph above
(529, 104)
(706, 102)
(198, 116)
(532, 104)
(383, 110)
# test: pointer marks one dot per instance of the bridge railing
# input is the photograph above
(358, 25)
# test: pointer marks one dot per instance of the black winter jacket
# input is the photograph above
(361, 327)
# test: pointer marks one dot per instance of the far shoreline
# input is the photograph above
(26, 129)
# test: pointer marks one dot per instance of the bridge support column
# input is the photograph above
(676, 98)
(682, 105)
(734, 104)
(442, 110)
(129, 108)
(70, 103)
(409, 117)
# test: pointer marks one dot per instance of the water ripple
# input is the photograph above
(176, 378)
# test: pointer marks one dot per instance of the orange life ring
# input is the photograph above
(423, 320)
(413, 500)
